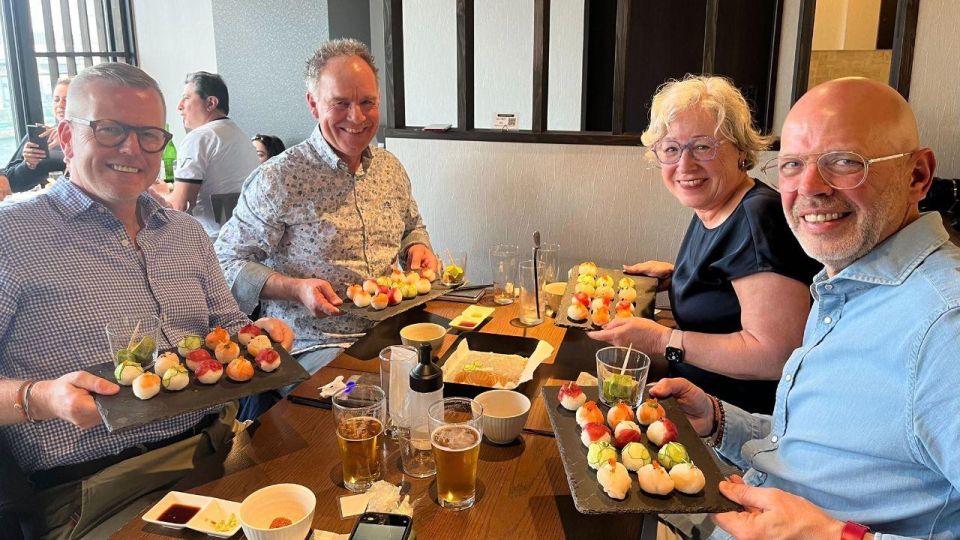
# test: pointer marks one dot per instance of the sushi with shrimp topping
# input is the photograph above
(614, 479)
(146, 385)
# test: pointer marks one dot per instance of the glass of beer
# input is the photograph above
(359, 412)
(455, 432)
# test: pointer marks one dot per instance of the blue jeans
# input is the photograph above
(251, 407)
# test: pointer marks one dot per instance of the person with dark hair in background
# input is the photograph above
(267, 146)
(215, 157)
(31, 164)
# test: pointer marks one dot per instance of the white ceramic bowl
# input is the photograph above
(417, 334)
(504, 414)
(291, 501)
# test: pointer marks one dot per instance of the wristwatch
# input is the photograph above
(674, 352)
(853, 531)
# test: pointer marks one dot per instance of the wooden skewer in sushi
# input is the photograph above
(133, 336)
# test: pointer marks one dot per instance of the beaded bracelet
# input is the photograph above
(719, 418)
(26, 403)
(18, 403)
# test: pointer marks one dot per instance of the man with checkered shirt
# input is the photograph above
(95, 248)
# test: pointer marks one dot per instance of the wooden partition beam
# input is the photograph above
(541, 63)
(393, 53)
(465, 42)
(904, 38)
(620, 65)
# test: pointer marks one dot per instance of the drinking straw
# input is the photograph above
(626, 358)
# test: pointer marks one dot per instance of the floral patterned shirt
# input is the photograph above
(305, 215)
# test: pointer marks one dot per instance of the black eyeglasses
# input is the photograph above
(111, 133)
(839, 169)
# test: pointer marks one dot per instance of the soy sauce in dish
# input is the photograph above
(178, 513)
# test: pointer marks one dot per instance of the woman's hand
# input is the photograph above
(32, 154)
(663, 271)
(642, 334)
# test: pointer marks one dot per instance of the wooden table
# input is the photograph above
(522, 488)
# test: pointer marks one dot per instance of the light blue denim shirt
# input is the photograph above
(867, 419)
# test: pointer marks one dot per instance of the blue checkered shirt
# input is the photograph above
(67, 268)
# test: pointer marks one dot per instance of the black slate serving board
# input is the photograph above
(124, 410)
(589, 497)
(643, 305)
(370, 314)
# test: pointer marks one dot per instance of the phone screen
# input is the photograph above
(378, 531)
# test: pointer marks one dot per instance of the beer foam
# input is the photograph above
(359, 428)
(455, 438)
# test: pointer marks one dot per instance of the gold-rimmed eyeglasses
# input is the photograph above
(840, 169)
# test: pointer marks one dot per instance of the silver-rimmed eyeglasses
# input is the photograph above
(702, 148)
(840, 169)
(111, 133)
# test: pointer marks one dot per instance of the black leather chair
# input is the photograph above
(223, 205)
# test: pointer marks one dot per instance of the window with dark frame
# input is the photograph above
(630, 48)
(47, 40)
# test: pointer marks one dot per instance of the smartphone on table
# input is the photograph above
(35, 134)
(377, 526)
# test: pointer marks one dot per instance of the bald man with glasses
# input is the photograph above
(862, 439)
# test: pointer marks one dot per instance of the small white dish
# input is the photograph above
(170, 499)
(473, 316)
(216, 512)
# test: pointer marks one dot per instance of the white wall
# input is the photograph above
(565, 77)
(604, 203)
(935, 85)
(429, 61)
(174, 37)
(503, 61)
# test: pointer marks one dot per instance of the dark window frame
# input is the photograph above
(901, 61)
(465, 130)
(26, 101)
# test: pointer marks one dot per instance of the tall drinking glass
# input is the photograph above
(396, 361)
(456, 428)
(532, 298)
(621, 375)
(550, 255)
(504, 259)
(359, 414)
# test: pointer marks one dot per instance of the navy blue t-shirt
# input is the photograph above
(755, 238)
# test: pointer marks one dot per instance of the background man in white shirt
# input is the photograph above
(216, 155)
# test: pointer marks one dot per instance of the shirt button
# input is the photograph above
(101, 210)
(789, 378)
(124, 242)
(774, 439)
(827, 320)
(828, 287)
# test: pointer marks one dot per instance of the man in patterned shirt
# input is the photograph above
(330, 211)
(93, 249)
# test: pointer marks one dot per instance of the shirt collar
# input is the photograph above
(329, 155)
(73, 202)
(892, 261)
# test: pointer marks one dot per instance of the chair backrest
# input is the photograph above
(223, 205)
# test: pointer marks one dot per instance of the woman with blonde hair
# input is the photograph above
(740, 287)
